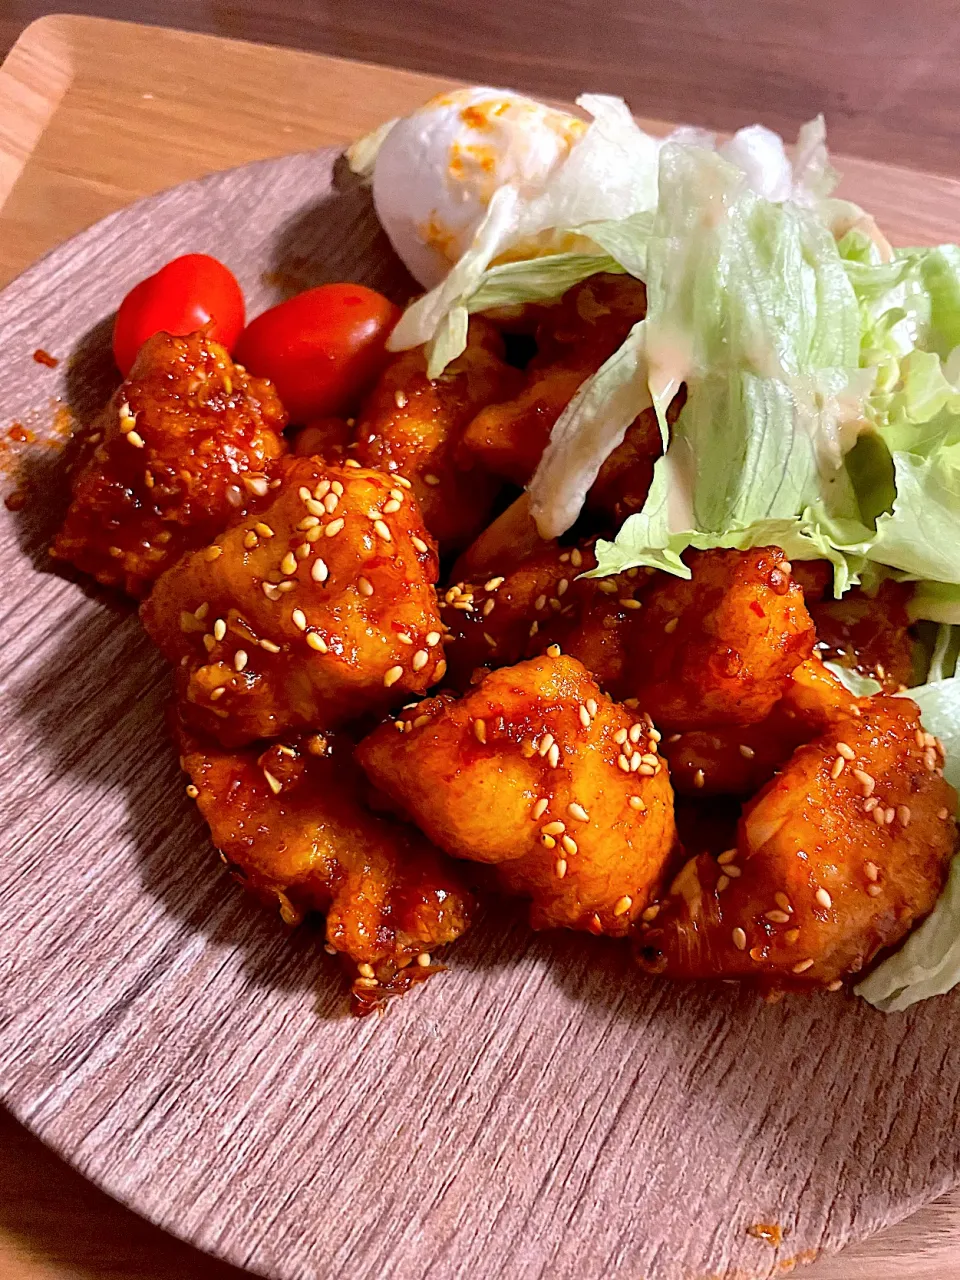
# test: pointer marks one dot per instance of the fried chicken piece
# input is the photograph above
(836, 858)
(719, 648)
(574, 339)
(413, 426)
(328, 438)
(290, 821)
(869, 634)
(729, 760)
(538, 773)
(185, 446)
(319, 609)
(541, 602)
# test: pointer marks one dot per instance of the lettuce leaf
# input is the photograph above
(749, 305)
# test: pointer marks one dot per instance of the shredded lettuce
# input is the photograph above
(749, 306)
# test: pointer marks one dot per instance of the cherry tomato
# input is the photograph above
(320, 349)
(190, 293)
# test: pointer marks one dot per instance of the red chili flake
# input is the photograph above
(21, 434)
(757, 608)
(44, 357)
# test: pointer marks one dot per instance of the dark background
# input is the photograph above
(884, 72)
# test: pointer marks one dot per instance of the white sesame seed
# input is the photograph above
(622, 905)
(548, 842)
(835, 985)
(419, 544)
(240, 660)
(212, 553)
(208, 643)
(903, 815)
(578, 811)
(584, 715)
(671, 626)
(880, 815)
(270, 590)
(837, 767)
(420, 659)
(555, 828)
(540, 603)
(269, 647)
(480, 730)
(256, 485)
(392, 676)
(299, 619)
(274, 783)
(303, 493)
(783, 902)
(319, 572)
(330, 503)
(432, 638)
(824, 898)
(870, 804)
(740, 939)
(636, 802)
(845, 750)
(540, 808)
(623, 763)
(943, 814)
(219, 629)
(722, 883)
(569, 844)
(560, 868)
(562, 586)
(874, 890)
(636, 733)
(871, 871)
(488, 607)
(192, 791)
(136, 439)
(803, 966)
(728, 855)
(747, 752)
(888, 815)
(553, 651)
(334, 527)
(620, 737)
(424, 960)
(264, 530)
(316, 642)
(250, 540)
(546, 742)
(288, 564)
(776, 917)
(404, 638)
(867, 782)
(651, 912)
(431, 479)
(553, 756)
(699, 778)
(733, 871)
(364, 586)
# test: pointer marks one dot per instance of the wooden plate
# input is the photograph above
(539, 1110)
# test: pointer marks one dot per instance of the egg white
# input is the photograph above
(438, 168)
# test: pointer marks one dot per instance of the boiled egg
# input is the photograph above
(438, 168)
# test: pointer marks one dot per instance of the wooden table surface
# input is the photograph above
(885, 80)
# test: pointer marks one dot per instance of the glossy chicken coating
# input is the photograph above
(327, 438)
(731, 760)
(290, 821)
(574, 338)
(718, 648)
(541, 602)
(313, 612)
(187, 443)
(537, 772)
(869, 634)
(836, 858)
(413, 426)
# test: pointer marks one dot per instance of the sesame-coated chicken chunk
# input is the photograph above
(719, 648)
(836, 858)
(317, 610)
(537, 772)
(574, 338)
(186, 444)
(543, 601)
(413, 426)
(730, 760)
(868, 633)
(290, 821)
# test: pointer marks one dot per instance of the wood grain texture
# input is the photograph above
(541, 1110)
(77, 139)
(884, 74)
